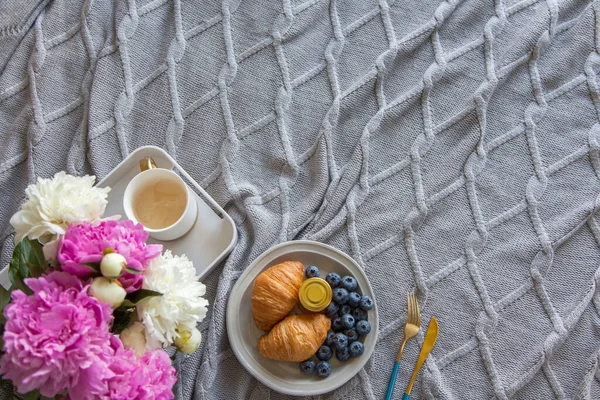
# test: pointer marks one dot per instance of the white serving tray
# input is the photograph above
(207, 243)
(212, 237)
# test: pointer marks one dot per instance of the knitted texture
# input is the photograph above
(451, 148)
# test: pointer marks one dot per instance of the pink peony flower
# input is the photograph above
(58, 338)
(85, 243)
(149, 377)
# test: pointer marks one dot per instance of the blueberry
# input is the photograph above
(349, 283)
(356, 349)
(324, 353)
(323, 369)
(332, 309)
(363, 328)
(340, 341)
(340, 295)
(329, 340)
(312, 272)
(333, 279)
(345, 309)
(342, 354)
(336, 324)
(354, 299)
(366, 303)
(351, 335)
(307, 367)
(359, 314)
(347, 321)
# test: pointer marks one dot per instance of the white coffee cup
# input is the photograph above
(161, 201)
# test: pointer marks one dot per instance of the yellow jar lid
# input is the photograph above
(315, 294)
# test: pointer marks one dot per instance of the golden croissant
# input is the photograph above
(275, 293)
(296, 338)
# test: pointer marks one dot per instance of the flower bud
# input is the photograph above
(188, 340)
(133, 337)
(107, 291)
(112, 265)
(50, 249)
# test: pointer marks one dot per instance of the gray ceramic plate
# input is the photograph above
(243, 334)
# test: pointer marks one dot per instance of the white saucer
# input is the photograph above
(243, 334)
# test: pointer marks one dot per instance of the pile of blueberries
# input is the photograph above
(348, 313)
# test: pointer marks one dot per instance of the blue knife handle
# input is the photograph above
(406, 396)
(390, 389)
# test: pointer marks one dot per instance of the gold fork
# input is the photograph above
(411, 328)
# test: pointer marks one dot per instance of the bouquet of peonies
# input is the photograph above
(91, 304)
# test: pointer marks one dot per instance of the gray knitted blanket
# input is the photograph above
(451, 148)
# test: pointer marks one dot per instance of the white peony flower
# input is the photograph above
(55, 203)
(181, 304)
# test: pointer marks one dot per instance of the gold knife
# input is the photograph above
(430, 338)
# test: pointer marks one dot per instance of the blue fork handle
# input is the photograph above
(406, 396)
(390, 389)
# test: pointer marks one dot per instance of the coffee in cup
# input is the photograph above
(159, 204)
(161, 201)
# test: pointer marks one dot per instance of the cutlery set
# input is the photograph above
(411, 328)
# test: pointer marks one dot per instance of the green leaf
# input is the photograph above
(132, 299)
(39, 263)
(4, 300)
(27, 261)
(123, 318)
(17, 279)
(132, 270)
(94, 266)
(139, 295)
(127, 304)
(4, 297)
(33, 395)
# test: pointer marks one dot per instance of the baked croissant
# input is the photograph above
(275, 293)
(296, 338)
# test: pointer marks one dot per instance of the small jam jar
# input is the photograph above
(315, 294)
